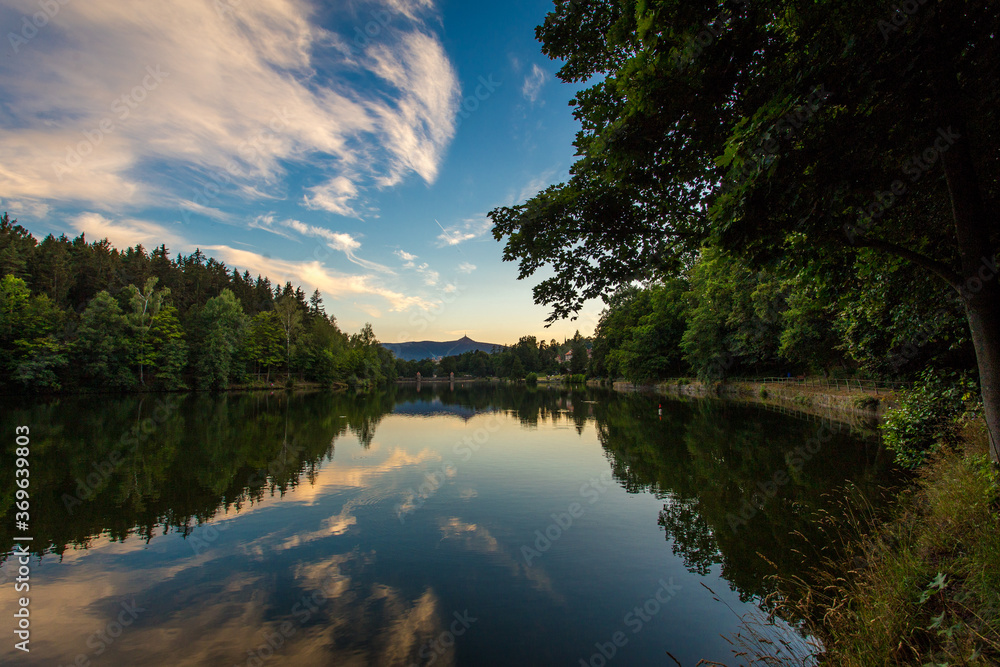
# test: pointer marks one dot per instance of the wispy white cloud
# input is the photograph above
(406, 257)
(533, 83)
(335, 196)
(223, 94)
(269, 224)
(33, 209)
(369, 310)
(339, 241)
(466, 230)
(209, 212)
(422, 121)
(466, 267)
(534, 186)
(410, 8)
(127, 233)
(430, 276)
(314, 275)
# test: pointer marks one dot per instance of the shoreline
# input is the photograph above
(234, 389)
(862, 407)
(878, 603)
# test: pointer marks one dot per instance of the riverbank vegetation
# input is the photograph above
(796, 188)
(86, 316)
(921, 587)
(722, 318)
(768, 157)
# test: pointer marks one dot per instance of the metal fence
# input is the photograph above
(836, 383)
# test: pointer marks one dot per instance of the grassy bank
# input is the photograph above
(794, 394)
(922, 588)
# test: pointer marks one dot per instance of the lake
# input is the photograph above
(447, 525)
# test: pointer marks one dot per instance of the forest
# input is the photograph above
(77, 316)
(802, 187)
(527, 358)
(723, 318)
(763, 180)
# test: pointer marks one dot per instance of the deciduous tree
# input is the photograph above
(824, 119)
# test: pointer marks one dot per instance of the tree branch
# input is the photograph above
(940, 269)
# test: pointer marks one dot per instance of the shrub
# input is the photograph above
(927, 417)
(865, 402)
(531, 378)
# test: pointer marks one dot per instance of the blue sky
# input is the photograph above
(353, 147)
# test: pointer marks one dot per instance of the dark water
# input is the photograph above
(469, 526)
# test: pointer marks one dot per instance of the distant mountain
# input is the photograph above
(428, 349)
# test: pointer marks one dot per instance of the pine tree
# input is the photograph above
(316, 305)
(578, 364)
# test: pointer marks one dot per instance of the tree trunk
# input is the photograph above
(984, 321)
(979, 289)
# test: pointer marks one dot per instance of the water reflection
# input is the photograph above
(244, 525)
(725, 460)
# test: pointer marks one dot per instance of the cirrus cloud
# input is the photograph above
(533, 83)
(127, 233)
(315, 275)
(242, 90)
(468, 229)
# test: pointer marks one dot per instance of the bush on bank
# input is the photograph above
(928, 416)
(922, 588)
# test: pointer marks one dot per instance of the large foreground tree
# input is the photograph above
(822, 125)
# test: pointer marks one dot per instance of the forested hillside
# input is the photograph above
(515, 362)
(429, 349)
(84, 315)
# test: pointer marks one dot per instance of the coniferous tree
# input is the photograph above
(578, 364)
(85, 315)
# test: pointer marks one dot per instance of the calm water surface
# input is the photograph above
(471, 525)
